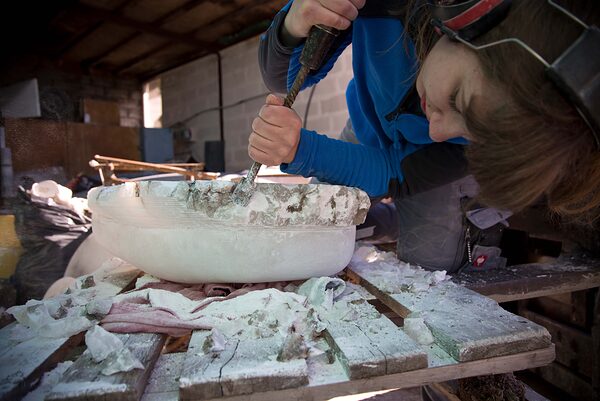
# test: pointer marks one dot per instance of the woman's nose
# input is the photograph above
(438, 131)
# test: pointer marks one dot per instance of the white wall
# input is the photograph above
(194, 87)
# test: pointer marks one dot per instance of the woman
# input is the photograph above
(417, 98)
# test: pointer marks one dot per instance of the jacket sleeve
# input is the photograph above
(273, 56)
(279, 63)
(371, 169)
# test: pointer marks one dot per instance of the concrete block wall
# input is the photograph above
(193, 88)
(190, 96)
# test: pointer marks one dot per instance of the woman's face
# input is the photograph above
(450, 79)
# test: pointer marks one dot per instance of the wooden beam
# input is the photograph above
(229, 16)
(195, 55)
(158, 22)
(192, 55)
(77, 38)
(142, 26)
(133, 61)
(174, 64)
(413, 378)
(533, 280)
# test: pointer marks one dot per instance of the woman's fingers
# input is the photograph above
(274, 100)
(275, 133)
(304, 14)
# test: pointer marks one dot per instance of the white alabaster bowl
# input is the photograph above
(194, 233)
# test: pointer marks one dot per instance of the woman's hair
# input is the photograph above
(534, 144)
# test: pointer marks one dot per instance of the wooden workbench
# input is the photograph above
(566, 274)
(572, 280)
(473, 336)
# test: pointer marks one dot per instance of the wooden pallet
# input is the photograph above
(21, 365)
(366, 353)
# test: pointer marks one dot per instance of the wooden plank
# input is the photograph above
(163, 384)
(533, 280)
(245, 366)
(581, 315)
(24, 363)
(327, 380)
(327, 390)
(467, 325)
(84, 380)
(443, 391)
(571, 308)
(102, 112)
(368, 343)
(566, 380)
(86, 140)
(572, 345)
(365, 342)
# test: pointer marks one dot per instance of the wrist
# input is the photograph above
(288, 35)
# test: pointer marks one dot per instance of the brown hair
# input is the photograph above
(534, 144)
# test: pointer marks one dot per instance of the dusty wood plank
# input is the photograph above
(368, 343)
(84, 380)
(465, 324)
(327, 390)
(533, 280)
(572, 345)
(243, 367)
(163, 384)
(24, 363)
(327, 379)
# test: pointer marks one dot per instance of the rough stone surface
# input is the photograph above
(194, 232)
(272, 205)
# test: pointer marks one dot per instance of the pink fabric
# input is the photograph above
(136, 314)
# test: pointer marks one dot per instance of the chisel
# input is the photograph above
(318, 43)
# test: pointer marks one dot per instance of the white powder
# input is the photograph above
(49, 380)
(416, 329)
(391, 275)
(79, 389)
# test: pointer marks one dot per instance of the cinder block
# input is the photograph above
(333, 104)
(321, 124)
(116, 93)
(130, 122)
(135, 95)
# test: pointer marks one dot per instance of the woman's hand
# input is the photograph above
(275, 133)
(303, 14)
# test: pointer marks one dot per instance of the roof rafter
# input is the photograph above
(158, 22)
(77, 38)
(203, 52)
(144, 27)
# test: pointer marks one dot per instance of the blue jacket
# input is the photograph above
(385, 69)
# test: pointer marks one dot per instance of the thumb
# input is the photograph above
(274, 100)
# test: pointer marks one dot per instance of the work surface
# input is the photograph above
(362, 349)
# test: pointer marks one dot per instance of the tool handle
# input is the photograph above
(319, 41)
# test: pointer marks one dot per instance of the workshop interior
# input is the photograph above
(150, 250)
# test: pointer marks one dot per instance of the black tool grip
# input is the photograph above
(319, 41)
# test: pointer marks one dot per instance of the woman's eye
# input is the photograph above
(452, 101)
